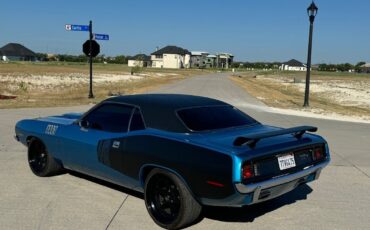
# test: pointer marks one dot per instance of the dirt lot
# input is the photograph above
(334, 94)
(60, 84)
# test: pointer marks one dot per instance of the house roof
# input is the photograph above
(225, 54)
(171, 50)
(199, 53)
(142, 57)
(294, 62)
(15, 49)
(366, 65)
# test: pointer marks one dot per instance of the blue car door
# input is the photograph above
(107, 121)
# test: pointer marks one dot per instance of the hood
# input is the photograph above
(65, 119)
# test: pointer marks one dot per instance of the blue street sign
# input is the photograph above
(101, 36)
(70, 27)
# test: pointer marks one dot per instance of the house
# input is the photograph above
(16, 52)
(211, 61)
(171, 57)
(201, 59)
(293, 65)
(365, 68)
(139, 60)
(224, 60)
(198, 59)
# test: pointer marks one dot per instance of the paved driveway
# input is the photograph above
(339, 200)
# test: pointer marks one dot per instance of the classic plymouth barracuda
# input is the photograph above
(181, 151)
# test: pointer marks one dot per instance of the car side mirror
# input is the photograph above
(83, 124)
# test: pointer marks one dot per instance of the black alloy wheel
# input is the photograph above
(169, 201)
(41, 162)
(38, 157)
(164, 199)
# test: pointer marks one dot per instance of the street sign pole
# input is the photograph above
(90, 48)
(91, 95)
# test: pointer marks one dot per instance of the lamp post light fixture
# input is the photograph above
(311, 11)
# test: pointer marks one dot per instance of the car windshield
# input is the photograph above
(214, 117)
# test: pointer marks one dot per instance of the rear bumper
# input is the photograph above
(248, 194)
(242, 188)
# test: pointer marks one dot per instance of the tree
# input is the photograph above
(323, 67)
(360, 63)
(345, 67)
(121, 59)
(236, 64)
(42, 57)
(358, 66)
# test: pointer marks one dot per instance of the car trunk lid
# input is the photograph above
(226, 138)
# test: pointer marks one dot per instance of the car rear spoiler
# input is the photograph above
(251, 140)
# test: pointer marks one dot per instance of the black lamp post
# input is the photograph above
(311, 11)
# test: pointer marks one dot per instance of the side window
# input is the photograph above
(110, 118)
(137, 122)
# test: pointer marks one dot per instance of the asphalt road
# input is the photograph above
(338, 200)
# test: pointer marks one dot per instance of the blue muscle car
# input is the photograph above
(181, 151)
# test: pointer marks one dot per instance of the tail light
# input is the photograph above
(318, 154)
(247, 171)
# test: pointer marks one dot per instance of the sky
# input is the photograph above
(252, 30)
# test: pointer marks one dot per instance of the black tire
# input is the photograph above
(168, 200)
(40, 161)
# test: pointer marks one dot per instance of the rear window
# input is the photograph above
(214, 117)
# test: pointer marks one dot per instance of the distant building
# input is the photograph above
(171, 57)
(315, 66)
(139, 60)
(224, 60)
(52, 57)
(201, 59)
(365, 68)
(211, 61)
(293, 65)
(198, 59)
(16, 52)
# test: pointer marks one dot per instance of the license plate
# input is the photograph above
(286, 161)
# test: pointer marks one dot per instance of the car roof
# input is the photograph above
(159, 110)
